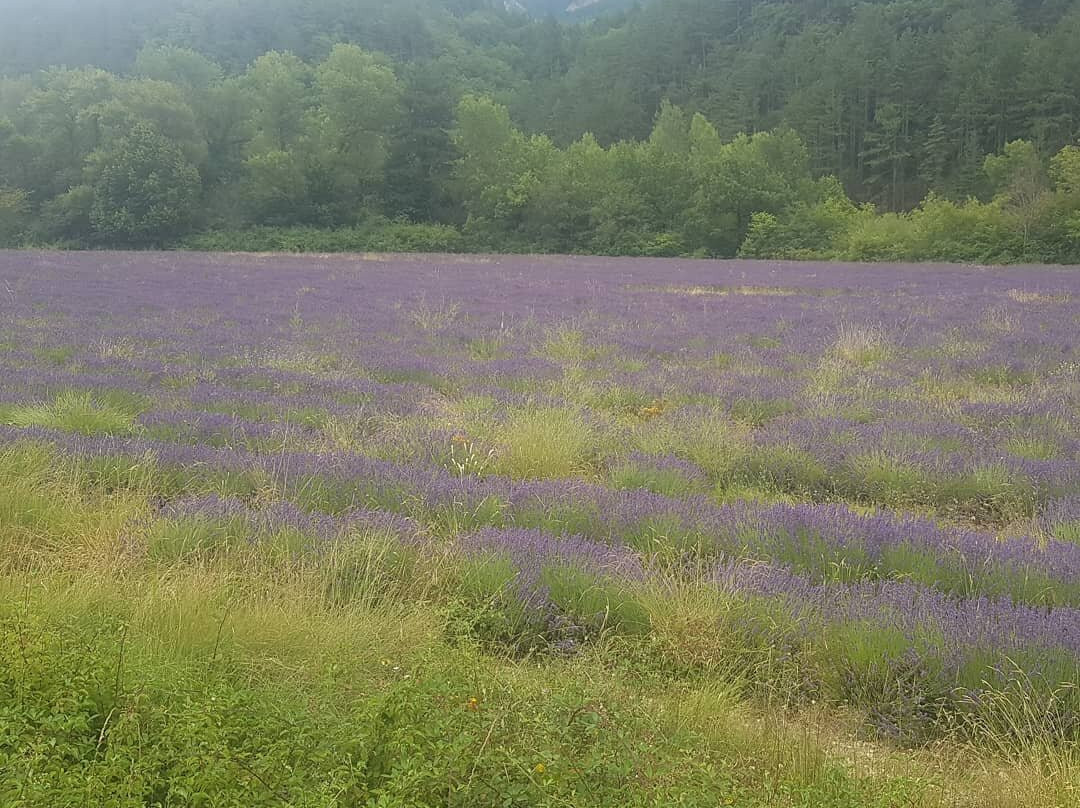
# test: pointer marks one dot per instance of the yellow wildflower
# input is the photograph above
(654, 409)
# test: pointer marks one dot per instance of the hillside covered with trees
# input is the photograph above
(862, 129)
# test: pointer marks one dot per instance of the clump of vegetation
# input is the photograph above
(862, 345)
(75, 412)
(545, 442)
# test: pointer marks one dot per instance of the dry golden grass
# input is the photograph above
(725, 291)
(1025, 296)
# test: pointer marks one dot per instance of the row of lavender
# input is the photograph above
(955, 468)
(825, 542)
(991, 401)
(1020, 437)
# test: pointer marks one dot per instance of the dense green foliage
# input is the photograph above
(679, 127)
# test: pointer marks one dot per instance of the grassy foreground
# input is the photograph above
(248, 674)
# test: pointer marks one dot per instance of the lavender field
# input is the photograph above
(838, 490)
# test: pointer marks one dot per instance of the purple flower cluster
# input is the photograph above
(533, 551)
(680, 468)
(837, 530)
(956, 628)
(282, 516)
(953, 631)
(1061, 519)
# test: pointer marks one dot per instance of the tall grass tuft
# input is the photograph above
(75, 412)
(545, 442)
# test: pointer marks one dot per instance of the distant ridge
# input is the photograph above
(569, 9)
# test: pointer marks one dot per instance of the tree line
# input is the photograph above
(899, 129)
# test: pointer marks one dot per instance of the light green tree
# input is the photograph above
(357, 109)
(279, 90)
(1020, 182)
(183, 67)
(500, 169)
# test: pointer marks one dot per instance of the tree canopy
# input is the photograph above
(676, 126)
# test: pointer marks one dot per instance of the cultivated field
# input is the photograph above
(409, 531)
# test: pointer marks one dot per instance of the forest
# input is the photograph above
(843, 129)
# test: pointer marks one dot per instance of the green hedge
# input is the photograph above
(374, 237)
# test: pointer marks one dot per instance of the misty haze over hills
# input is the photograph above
(573, 9)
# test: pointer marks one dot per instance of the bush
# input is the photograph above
(14, 215)
(878, 238)
(376, 236)
(968, 232)
(74, 412)
(408, 237)
(545, 443)
(805, 231)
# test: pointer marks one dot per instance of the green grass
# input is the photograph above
(201, 538)
(59, 356)
(486, 348)
(51, 511)
(249, 703)
(667, 482)
(988, 495)
(1067, 531)
(570, 346)
(544, 442)
(758, 412)
(78, 412)
(1032, 448)
(423, 378)
(1001, 376)
(711, 439)
(764, 342)
(781, 469)
(862, 345)
(595, 603)
(612, 399)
